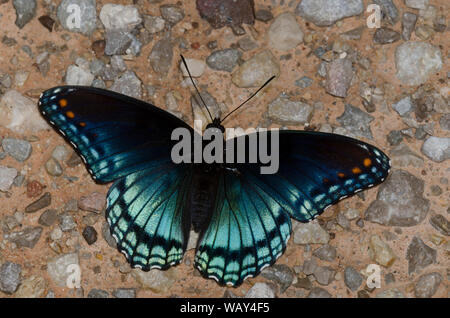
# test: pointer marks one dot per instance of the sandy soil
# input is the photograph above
(99, 271)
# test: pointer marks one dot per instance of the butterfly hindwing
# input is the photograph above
(114, 134)
(247, 232)
(147, 217)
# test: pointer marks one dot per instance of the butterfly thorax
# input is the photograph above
(216, 124)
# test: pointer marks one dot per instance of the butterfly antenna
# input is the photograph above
(253, 95)
(193, 82)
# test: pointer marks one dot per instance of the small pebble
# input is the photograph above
(10, 277)
(352, 278)
(318, 292)
(98, 47)
(408, 24)
(325, 252)
(60, 153)
(16, 148)
(154, 24)
(172, 14)
(339, 77)
(223, 60)
(304, 82)
(437, 148)
(47, 22)
(56, 234)
(97, 293)
(43, 202)
(260, 290)
(27, 237)
(48, 217)
(124, 293)
(34, 189)
(53, 167)
(66, 222)
(441, 224)
(25, 11)
(263, 15)
(247, 44)
(256, 70)
(427, 285)
(94, 202)
(7, 177)
(385, 36)
(90, 235)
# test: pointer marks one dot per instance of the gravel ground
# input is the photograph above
(387, 86)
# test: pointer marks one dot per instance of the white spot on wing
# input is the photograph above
(125, 253)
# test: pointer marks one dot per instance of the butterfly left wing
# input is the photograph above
(127, 140)
(248, 231)
(147, 217)
(114, 134)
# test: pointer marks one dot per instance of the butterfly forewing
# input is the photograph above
(317, 170)
(114, 134)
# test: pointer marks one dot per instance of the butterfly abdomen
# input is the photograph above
(202, 196)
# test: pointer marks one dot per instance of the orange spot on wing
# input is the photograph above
(82, 124)
(63, 102)
(367, 162)
(341, 174)
(356, 170)
(70, 114)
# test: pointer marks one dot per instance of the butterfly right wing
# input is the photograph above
(316, 170)
(250, 225)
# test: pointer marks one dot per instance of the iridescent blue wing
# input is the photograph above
(115, 135)
(317, 170)
(124, 139)
(250, 224)
(147, 217)
(248, 231)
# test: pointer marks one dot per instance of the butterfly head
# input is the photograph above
(216, 124)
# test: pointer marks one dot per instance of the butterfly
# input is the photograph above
(243, 217)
